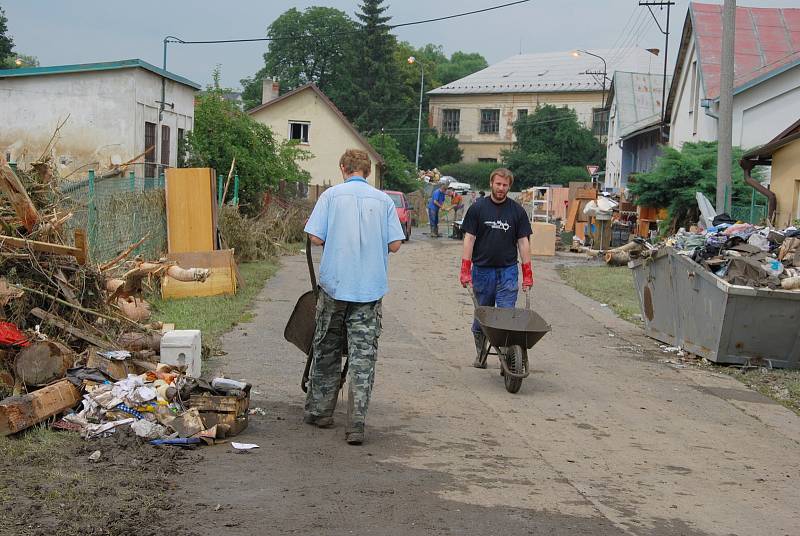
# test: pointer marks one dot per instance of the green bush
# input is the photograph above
(474, 173)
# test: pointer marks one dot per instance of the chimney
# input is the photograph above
(270, 89)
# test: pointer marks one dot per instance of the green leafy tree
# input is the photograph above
(438, 151)
(222, 132)
(399, 173)
(6, 42)
(679, 175)
(548, 140)
(378, 79)
(459, 65)
(316, 45)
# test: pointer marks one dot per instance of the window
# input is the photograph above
(451, 121)
(490, 121)
(299, 131)
(165, 146)
(493, 160)
(181, 147)
(600, 121)
(521, 113)
(149, 150)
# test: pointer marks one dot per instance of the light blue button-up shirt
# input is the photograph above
(357, 222)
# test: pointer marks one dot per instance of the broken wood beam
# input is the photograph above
(72, 330)
(20, 412)
(21, 202)
(46, 247)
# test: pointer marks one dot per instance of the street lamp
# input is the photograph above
(411, 61)
(577, 54)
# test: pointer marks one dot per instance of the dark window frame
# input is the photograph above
(451, 120)
(181, 161)
(304, 127)
(522, 113)
(150, 150)
(600, 118)
(490, 121)
(165, 146)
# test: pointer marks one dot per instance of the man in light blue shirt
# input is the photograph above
(357, 225)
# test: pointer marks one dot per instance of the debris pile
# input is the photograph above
(744, 254)
(74, 337)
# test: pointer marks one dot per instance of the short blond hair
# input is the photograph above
(502, 172)
(354, 160)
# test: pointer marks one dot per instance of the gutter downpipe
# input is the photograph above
(772, 200)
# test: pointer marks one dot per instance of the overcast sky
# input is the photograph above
(80, 31)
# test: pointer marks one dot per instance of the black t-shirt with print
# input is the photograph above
(497, 227)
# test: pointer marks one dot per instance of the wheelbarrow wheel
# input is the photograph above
(515, 361)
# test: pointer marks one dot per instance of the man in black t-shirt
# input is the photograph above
(495, 230)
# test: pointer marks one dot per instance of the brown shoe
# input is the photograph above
(354, 438)
(319, 422)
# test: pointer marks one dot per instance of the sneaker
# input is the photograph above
(318, 421)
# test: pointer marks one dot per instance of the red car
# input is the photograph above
(403, 211)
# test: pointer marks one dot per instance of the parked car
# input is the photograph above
(404, 211)
(460, 187)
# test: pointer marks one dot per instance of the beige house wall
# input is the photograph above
(476, 145)
(785, 182)
(328, 136)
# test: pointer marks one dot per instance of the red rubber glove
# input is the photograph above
(527, 276)
(466, 272)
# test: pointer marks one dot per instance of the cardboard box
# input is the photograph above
(543, 239)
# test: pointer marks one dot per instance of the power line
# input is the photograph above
(173, 39)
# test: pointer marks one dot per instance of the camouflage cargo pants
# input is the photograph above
(359, 325)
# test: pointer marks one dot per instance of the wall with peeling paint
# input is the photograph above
(106, 111)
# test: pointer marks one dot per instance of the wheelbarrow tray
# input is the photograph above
(510, 327)
(301, 325)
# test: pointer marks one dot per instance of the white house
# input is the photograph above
(308, 116)
(766, 75)
(634, 126)
(111, 111)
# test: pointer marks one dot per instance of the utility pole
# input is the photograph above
(664, 31)
(725, 124)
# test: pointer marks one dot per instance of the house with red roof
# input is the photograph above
(766, 75)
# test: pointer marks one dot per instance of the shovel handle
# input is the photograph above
(527, 299)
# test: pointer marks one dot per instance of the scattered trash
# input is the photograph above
(95, 456)
(244, 446)
(258, 411)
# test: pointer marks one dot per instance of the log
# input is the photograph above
(42, 362)
(72, 330)
(135, 309)
(629, 247)
(131, 283)
(616, 257)
(20, 412)
(13, 189)
(140, 341)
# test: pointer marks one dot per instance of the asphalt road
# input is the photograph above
(601, 439)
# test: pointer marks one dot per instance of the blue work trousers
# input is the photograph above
(495, 287)
(433, 216)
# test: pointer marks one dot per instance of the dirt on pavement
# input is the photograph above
(602, 439)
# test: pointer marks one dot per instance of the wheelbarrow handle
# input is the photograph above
(472, 295)
(527, 299)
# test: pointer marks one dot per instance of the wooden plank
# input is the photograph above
(43, 247)
(21, 202)
(118, 370)
(221, 279)
(190, 209)
(20, 412)
(72, 330)
(572, 217)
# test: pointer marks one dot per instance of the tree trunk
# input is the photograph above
(42, 363)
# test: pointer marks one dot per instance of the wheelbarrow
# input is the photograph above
(511, 332)
(300, 328)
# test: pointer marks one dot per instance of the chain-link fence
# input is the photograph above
(118, 212)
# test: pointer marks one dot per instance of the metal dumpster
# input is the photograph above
(685, 305)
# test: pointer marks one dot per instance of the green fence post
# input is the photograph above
(132, 181)
(753, 206)
(219, 190)
(236, 190)
(91, 212)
